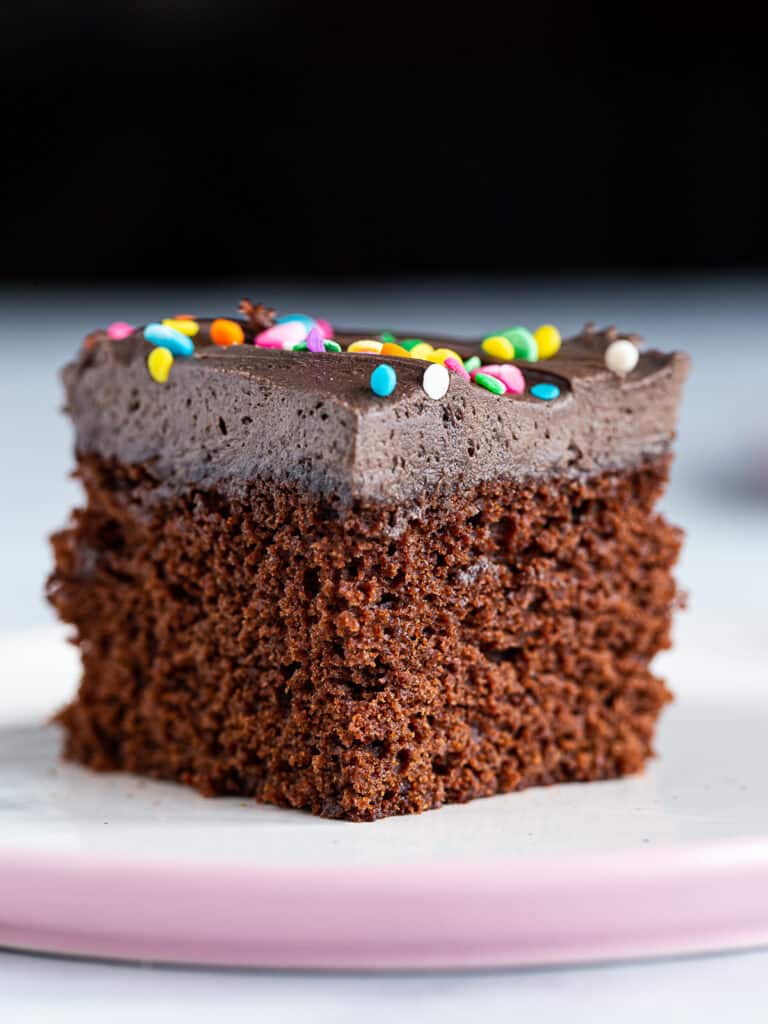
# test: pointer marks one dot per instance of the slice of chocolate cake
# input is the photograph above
(365, 574)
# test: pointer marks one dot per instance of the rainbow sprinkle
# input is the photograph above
(299, 332)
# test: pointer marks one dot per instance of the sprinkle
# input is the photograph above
(498, 347)
(365, 345)
(119, 330)
(411, 343)
(548, 340)
(331, 345)
(545, 391)
(299, 346)
(315, 340)
(436, 381)
(300, 318)
(387, 336)
(494, 370)
(159, 363)
(227, 332)
(621, 357)
(524, 343)
(473, 363)
(307, 322)
(490, 383)
(176, 342)
(183, 325)
(383, 380)
(512, 377)
(488, 368)
(389, 348)
(422, 351)
(441, 354)
(281, 335)
(456, 366)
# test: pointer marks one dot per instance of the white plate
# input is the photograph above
(675, 860)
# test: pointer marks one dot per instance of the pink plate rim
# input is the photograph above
(651, 902)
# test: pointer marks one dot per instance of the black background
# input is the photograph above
(175, 140)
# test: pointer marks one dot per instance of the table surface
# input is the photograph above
(719, 492)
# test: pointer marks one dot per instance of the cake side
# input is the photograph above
(266, 646)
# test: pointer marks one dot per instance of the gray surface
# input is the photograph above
(719, 491)
(706, 990)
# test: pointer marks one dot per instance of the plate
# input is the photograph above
(672, 861)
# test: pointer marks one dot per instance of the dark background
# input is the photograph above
(204, 138)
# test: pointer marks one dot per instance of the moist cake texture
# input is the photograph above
(286, 586)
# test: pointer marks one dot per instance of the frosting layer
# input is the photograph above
(233, 415)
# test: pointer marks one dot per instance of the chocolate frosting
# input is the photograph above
(233, 415)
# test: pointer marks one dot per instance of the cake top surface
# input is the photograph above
(366, 416)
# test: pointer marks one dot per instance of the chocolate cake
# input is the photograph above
(366, 574)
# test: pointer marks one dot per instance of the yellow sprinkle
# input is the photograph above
(548, 339)
(441, 354)
(499, 347)
(422, 351)
(365, 345)
(159, 363)
(185, 326)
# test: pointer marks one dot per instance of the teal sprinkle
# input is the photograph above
(383, 380)
(168, 337)
(545, 391)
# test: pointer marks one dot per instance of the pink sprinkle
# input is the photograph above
(456, 366)
(512, 377)
(325, 328)
(315, 340)
(119, 330)
(509, 375)
(280, 335)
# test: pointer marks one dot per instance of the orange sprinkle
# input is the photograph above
(227, 332)
(389, 348)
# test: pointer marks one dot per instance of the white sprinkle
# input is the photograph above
(621, 357)
(436, 381)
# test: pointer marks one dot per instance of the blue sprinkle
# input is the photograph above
(383, 380)
(176, 342)
(301, 318)
(545, 391)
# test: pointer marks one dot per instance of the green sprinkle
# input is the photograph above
(489, 383)
(473, 363)
(331, 346)
(387, 336)
(526, 346)
(409, 343)
(301, 347)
